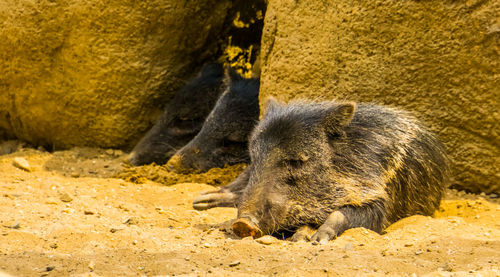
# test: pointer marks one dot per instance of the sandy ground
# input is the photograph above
(67, 216)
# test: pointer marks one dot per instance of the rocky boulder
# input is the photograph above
(95, 72)
(439, 59)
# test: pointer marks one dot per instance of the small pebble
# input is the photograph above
(267, 240)
(53, 245)
(408, 244)
(123, 208)
(161, 211)
(419, 252)
(65, 198)
(13, 226)
(446, 267)
(88, 212)
(21, 163)
(348, 246)
(235, 263)
(92, 266)
(50, 268)
(131, 221)
(51, 201)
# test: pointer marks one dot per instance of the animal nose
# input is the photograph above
(131, 158)
(182, 164)
(244, 227)
(174, 162)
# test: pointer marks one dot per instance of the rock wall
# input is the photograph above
(94, 72)
(439, 59)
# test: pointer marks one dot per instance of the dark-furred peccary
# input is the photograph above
(182, 119)
(332, 166)
(223, 139)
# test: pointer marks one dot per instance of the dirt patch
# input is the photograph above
(109, 163)
(53, 224)
(163, 175)
(86, 162)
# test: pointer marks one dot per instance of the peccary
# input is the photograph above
(182, 119)
(223, 139)
(333, 166)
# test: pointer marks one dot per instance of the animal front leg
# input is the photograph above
(227, 196)
(370, 216)
(303, 233)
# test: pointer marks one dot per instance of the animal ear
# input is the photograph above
(272, 105)
(233, 75)
(212, 69)
(339, 116)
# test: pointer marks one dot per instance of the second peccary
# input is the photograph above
(334, 166)
(223, 139)
(182, 118)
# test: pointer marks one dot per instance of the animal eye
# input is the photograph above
(290, 181)
(337, 135)
(231, 143)
(295, 163)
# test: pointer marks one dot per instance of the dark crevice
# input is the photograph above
(243, 29)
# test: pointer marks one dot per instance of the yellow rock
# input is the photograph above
(22, 163)
(96, 72)
(438, 59)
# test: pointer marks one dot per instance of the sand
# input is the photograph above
(66, 214)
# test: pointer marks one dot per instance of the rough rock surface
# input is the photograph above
(94, 72)
(439, 59)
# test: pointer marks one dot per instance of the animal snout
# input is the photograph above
(245, 227)
(131, 158)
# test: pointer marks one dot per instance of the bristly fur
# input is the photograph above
(183, 117)
(223, 138)
(375, 164)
